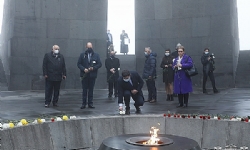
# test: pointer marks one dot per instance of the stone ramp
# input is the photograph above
(243, 70)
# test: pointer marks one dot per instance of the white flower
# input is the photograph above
(234, 119)
(122, 112)
(6, 125)
(58, 119)
(72, 117)
(35, 121)
(19, 124)
(238, 118)
(1, 126)
(43, 120)
(215, 117)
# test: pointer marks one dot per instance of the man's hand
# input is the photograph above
(112, 70)
(134, 91)
(120, 108)
(64, 77)
(91, 68)
(208, 58)
(45, 76)
(86, 70)
(166, 66)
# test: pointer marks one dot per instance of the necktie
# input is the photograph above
(89, 57)
(131, 82)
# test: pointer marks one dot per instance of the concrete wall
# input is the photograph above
(196, 24)
(88, 133)
(39, 24)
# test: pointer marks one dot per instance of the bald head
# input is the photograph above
(89, 45)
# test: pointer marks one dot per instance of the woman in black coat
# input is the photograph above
(168, 74)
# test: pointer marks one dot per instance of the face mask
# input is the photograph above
(145, 53)
(206, 52)
(90, 50)
(56, 51)
(166, 54)
(126, 80)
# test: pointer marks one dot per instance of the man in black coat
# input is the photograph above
(208, 70)
(89, 62)
(149, 74)
(54, 70)
(130, 85)
(112, 65)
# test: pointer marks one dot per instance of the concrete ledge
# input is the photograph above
(88, 133)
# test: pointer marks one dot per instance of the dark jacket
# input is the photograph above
(83, 63)
(183, 83)
(124, 86)
(208, 65)
(150, 66)
(175, 54)
(54, 66)
(168, 72)
(112, 63)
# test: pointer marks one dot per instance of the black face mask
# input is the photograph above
(90, 50)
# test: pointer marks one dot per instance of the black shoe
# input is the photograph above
(91, 106)
(216, 91)
(127, 112)
(55, 105)
(179, 106)
(46, 105)
(83, 106)
(171, 97)
(168, 98)
(152, 101)
(185, 106)
(138, 110)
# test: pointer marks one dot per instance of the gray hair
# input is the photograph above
(148, 49)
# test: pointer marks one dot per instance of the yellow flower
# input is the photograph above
(11, 125)
(65, 117)
(39, 120)
(24, 121)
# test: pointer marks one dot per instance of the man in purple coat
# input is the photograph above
(182, 83)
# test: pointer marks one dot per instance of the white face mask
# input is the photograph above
(166, 54)
(126, 80)
(56, 51)
(206, 52)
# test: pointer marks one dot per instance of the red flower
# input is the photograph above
(193, 116)
(218, 118)
(178, 115)
(246, 120)
(201, 117)
(204, 117)
(52, 119)
(175, 115)
(183, 116)
(164, 115)
(188, 116)
(208, 117)
(169, 115)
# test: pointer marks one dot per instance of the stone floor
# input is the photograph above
(15, 105)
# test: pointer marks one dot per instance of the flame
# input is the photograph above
(154, 134)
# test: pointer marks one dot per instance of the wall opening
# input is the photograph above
(244, 23)
(121, 16)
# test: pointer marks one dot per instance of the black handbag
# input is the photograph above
(191, 71)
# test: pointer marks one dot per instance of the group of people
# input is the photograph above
(124, 41)
(130, 83)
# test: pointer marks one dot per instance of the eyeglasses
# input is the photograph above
(180, 51)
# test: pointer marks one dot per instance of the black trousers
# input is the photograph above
(139, 100)
(88, 90)
(113, 87)
(183, 99)
(151, 89)
(210, 74)
(50, 88)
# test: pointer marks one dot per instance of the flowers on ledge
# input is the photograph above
(207, 117)
(24, 122)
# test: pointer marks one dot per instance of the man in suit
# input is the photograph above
(109, 41)
(89, 62)
(130, 85)
(112, 65)
(54, 70)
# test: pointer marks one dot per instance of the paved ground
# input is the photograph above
(15, 105)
